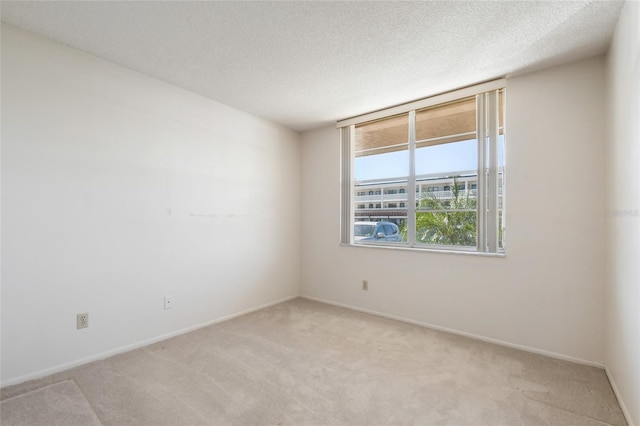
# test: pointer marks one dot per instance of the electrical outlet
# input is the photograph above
(168, 302)
(82, 320)
(365, 285)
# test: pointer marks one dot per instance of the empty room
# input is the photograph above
(320, 213)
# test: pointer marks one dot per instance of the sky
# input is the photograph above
(450, 157)
(433, 159)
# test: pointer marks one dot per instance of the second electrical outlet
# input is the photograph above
(365, 285)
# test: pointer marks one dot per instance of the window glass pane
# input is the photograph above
(446, 162)
(447, 217)
(382, 149)
(456, 157)
(451, 228)
(387, 203)
(381, 170)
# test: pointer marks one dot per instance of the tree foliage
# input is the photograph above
(446, 221)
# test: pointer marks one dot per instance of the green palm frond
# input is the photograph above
(442, 221)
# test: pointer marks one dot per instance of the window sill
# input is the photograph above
(426, 250)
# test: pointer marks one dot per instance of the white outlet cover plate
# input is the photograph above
(82, 320)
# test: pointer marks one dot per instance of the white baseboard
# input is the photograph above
(48, 371)
(625, 412)
(461, 333)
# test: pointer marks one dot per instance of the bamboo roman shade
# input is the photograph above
(452, 122)
(444, 123)
(380, 136)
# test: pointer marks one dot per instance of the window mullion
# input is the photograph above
(411, 184)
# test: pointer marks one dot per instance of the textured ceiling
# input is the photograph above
(306, 64)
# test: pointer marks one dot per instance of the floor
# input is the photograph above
(308, 363)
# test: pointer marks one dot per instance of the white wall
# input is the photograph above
(623, 224)
(119, 189)
(547, 293)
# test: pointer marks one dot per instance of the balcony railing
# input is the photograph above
(379, 197)
(438, 195)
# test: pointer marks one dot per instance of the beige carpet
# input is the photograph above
(306, 363)
(58, 404)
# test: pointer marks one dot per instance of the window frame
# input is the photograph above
(488, 210)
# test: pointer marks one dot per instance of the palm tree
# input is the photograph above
(446, 221)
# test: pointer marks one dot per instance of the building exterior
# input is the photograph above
(386, 199)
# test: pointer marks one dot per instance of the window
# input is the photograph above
(390, 230)
(457, 145)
